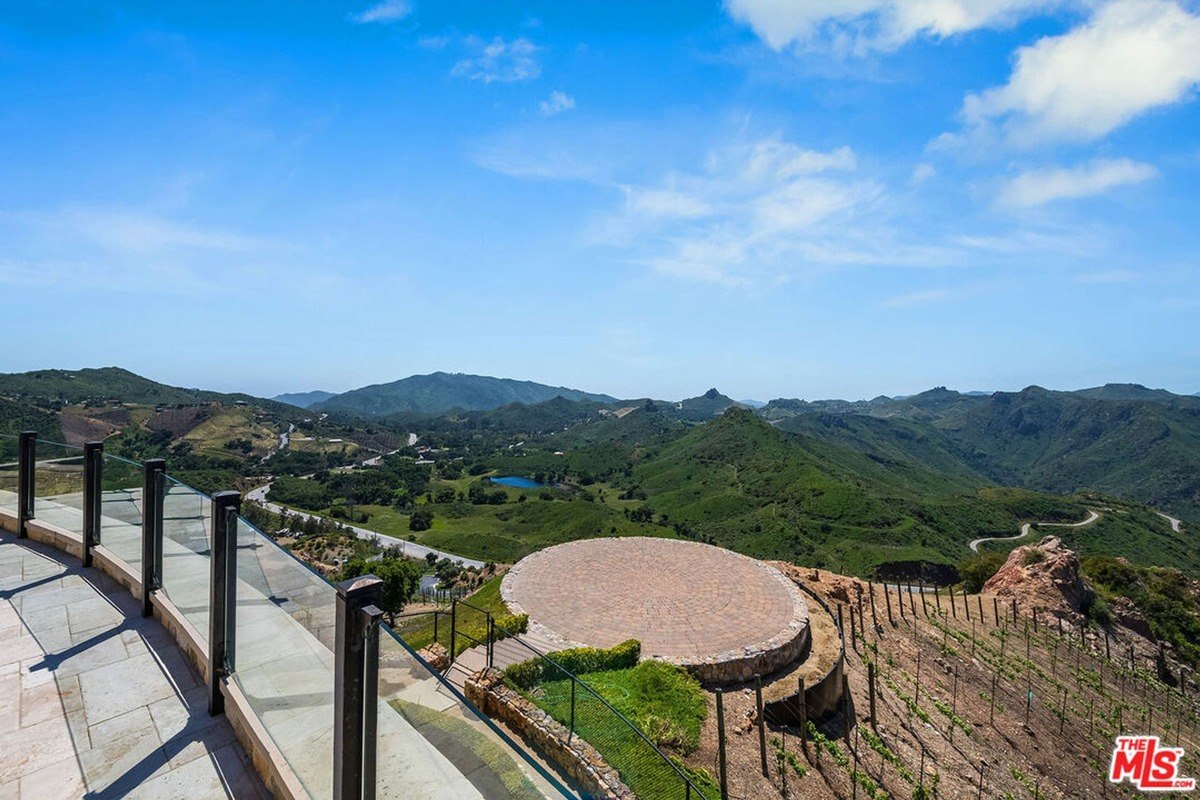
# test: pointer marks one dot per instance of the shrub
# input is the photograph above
(527, 674)
(976, 570)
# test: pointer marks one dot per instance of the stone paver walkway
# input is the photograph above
(96, 701)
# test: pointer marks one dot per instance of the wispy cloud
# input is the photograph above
(1109, 276)
(385, 12)
(557, 103)
(863, 25)
(499, 60)
(921, 298)
(1042, 186)
(756, 212)
(1131, 57)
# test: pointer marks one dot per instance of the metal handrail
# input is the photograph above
(488, 721)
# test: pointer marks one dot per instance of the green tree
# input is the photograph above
(978, 568)
(400, 577)
(420, 520)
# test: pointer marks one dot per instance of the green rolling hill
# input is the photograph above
(442, 391)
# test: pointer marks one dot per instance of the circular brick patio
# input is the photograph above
(724, 616)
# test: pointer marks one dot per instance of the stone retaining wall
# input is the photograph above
(576, 757)
(436, 656)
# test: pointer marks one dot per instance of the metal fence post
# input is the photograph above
(571, 728)
(26, 464)
(93, 470)
(453, 626)
(222, 594)
(721, 744)
(152, 530)
(351, 692)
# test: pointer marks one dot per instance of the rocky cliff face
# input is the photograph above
(1045, 575)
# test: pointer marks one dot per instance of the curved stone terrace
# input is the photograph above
(723, 616)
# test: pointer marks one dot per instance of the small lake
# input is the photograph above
(517, 482)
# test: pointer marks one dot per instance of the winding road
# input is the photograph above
(408, 549)
(1025, 528)
(1175, 523)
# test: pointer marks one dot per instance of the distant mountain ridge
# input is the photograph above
(441, 391)
(304, 399)
(116, 383)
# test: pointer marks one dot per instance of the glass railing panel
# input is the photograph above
(432, 744)
(186, 546)
(282, 654)
(8, 471)
(121, 509)
(58, 485)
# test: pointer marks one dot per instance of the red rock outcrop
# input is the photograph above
(1045, 575)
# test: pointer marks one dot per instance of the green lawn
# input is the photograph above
(418, 631)
(662, 700)
(506, 533)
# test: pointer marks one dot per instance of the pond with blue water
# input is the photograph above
(517, 482)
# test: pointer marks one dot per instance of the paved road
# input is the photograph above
(1092, 517)
(409, 549)
(1175, 523)
(284, 440)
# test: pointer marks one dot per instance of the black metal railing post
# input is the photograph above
(152, 530)
(222, 594)
(26, 464)
(491, 641)
(453, 627)
(351, 692)
(571, 728)
(93, 471)
(369, 618)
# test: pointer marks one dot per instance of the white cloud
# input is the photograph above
(386, 11)
(1131, 57)
(920, 298)
(557, 103)
(1038, 187)
(758, 211)
(499, 61)
(1109, 276)
(875, 24)
(922, 172)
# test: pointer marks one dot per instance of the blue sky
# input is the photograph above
(828, 198)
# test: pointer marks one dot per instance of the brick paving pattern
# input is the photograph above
(686, 602)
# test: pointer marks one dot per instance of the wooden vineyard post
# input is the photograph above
(953, 608)
(762, 725)
(887, 596)
(871, 689)
(954, 702)
(802, 706)
(992, 710)
(917, 680)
